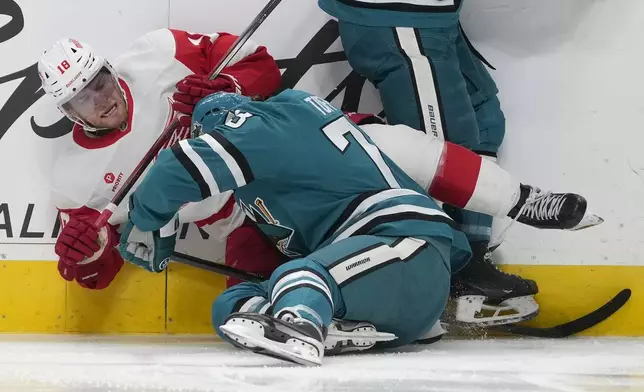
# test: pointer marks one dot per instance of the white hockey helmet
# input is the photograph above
(68, 67)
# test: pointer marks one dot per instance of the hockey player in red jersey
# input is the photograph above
(118, 113)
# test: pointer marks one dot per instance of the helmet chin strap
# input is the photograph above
(87, 127)
(96, 131)
(91, 130)
(100, 132)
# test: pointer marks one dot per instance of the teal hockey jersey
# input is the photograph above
(302, 170)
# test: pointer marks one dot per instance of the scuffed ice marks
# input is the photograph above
(64, 363)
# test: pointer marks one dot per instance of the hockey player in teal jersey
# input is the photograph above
(367, 243)
(342, 213)
(431, 79)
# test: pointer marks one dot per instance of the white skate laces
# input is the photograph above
(542, 205)
(534, 209)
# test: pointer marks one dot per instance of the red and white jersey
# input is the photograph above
(90, 171)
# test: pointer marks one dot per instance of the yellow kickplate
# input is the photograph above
(133, 303)
(32, 297)
(569, 292)
(35, 299)
(191, 293)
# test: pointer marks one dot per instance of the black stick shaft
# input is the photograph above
(216, 267)
(244, 36)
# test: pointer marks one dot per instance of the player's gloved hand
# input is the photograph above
(149, 250)
(96, 275)
(195, 87)
(81, 242)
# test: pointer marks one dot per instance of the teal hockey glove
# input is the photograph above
(149, 250)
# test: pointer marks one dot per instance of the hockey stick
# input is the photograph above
(167, 133)
(244, 36)
(558, 331)
(572, 327)
(216, 267)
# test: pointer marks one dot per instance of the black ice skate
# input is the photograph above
(296, 340)
(348, 336)
(485, 295)
(547, 210)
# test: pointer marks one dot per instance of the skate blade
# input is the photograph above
(357, 339)
(589, 220)
(363, 333)
(472, 310)
(249, 337)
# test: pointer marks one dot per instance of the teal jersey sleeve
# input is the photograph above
(232, 155)
(164, 189)
(294, 149)
(190, 171)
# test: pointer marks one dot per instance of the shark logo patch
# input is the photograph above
(278, 234)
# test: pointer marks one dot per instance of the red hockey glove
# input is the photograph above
(194, 87)
(96, 275)
(80, 241)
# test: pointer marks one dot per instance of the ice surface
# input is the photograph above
(93, 364)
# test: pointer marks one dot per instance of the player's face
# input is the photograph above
(101, 103)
